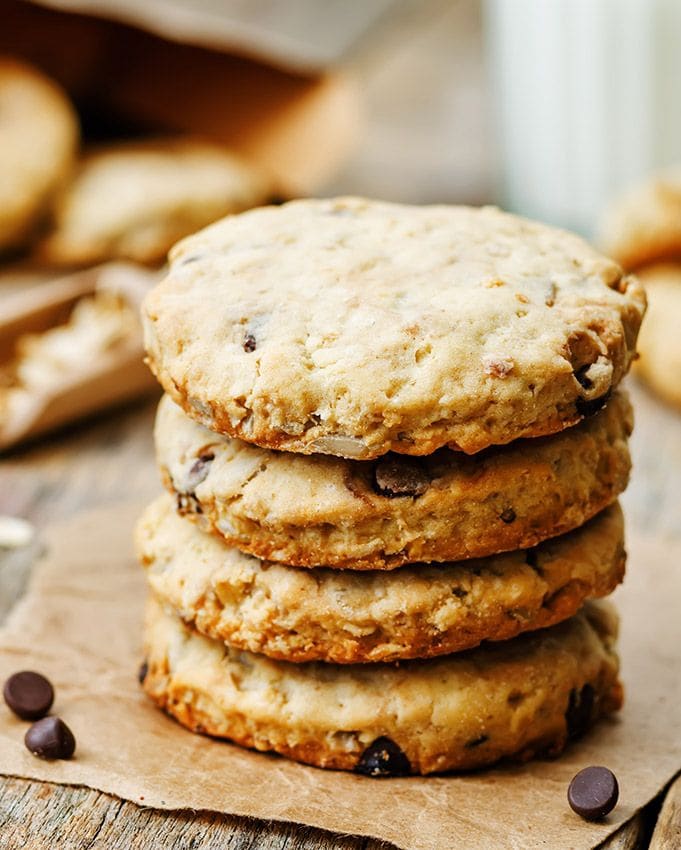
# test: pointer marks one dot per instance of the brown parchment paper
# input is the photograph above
(80, 624)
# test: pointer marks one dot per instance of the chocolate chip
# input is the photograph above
(396, 476)
(507, 516)
(579, 711)
(142, 672)
(383, 758)
(28, 694)
(515, 698)
(582, 378)
(593, 792)
(249, 343)
(199, 470)
(50, 738)
(476, 742)
(187, 503)
(587, 407)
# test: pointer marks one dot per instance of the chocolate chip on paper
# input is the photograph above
(28, 694)
(50, 738)
(593, 792)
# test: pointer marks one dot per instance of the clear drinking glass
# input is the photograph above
(587, 98)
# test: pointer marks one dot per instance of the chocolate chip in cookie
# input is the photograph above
(476, 742)
(187, 503)
(383, 758)
(508, 516)
(583, 379)
(579, 710)
(398, 475)
(199, 470)
(249, 343)
(590, 406)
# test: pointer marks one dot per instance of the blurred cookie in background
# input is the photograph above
(644, 225)
(133, 201)
(642, 230)
(38, 141)
(659, 341)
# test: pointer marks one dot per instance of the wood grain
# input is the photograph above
(41, 816)
(667, 835)
(632, 836)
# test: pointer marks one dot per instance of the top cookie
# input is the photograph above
(644, 225)
(38, 138)
(354, 327)
(135, 200)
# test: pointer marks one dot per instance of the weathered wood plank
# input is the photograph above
(667, 835)
(634, 835)
(45, 816)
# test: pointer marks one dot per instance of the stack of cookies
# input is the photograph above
(393, 446)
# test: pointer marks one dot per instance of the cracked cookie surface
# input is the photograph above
(353, 327)
(349, 616)
(517, 699)
(317, 510)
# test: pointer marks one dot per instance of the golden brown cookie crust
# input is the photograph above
(353, 328)
(348, 617)
(38, 140)
(514, 700)
(323, 511)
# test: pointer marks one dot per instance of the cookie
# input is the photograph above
(134, 201)
(317, 510)
(644, 225)
(38, 139)
(353, 327)
(517, 699)
(347, 616)
(660, 345)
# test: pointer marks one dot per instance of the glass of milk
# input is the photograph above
(587, 97)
